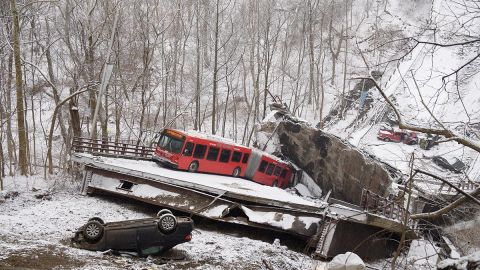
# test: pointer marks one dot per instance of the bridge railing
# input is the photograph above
(376, 204)
(465, 185)
(101, 147)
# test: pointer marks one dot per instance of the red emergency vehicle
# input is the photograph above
(199, 152)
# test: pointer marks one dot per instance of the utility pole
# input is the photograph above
(107, 72)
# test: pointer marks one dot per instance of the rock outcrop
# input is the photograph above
(332, 163)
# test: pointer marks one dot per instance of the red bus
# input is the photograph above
(199, 152)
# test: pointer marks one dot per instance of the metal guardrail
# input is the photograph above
(110, 148)
(376, 204)
(463, 185)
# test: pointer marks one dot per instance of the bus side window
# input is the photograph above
(284, 173)
(225, 155)
(200, 150)
(270, 169)
(188, 151)
(263, 166)
(277, 171)
(213, 153)
(161, 140)
(245, 158)
(237, 156)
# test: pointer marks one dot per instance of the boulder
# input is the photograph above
(331, 162)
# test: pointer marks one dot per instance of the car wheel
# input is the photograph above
(236, 172)
(193, 167)
(93, 231)
(163, 211)
(97, 219)
(386, 139)
(167, 223)
(275, 183)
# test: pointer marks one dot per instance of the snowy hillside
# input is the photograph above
(425, 80)
(216, 67)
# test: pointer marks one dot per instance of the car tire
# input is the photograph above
(167, 223)
(163, 211)
(193, 167)
(386, 139)
(236, 172)
(93, 231)
(97, 219)
(275, 183)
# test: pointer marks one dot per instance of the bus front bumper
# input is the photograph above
(164, 162)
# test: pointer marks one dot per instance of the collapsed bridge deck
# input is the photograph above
(234, 200)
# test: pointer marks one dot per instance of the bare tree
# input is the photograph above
(215, 70)
(22, 138)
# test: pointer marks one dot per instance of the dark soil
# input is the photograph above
(48, 257)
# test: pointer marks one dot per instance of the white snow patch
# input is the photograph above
(279, 220)
(422, 253)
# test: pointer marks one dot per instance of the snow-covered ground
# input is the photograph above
(35, 233)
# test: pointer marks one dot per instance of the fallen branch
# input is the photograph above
(447, 208)
(451, 206)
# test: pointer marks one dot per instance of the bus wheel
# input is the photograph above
(275, 183)
(236, 172)
(193, 167)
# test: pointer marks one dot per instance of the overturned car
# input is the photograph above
(143, 236)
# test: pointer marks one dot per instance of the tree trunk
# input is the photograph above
(104, 123)
(204, 35)
(74, 115)
(333, 51)
(345, 61)
(322, 95)
(2, 168)
(2, 160)
(22, 138)
(215, 72)
(91, 76)
(257, 77)
(25, 115)
(226, 102)
(311, 57)
(32, 103)
(196, 125)
(12, 157)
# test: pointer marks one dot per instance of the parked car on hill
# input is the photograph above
(391, 135)
(144, 236)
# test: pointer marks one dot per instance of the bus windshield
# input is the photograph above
(171, 144)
